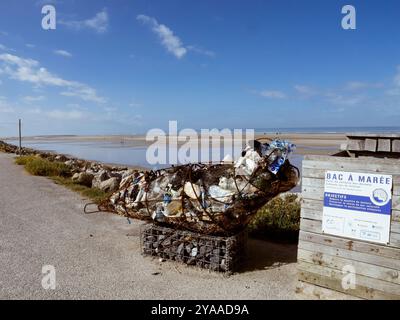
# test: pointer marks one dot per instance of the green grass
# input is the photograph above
(24, 160)
(41, 167)
(278, 220)
(60, 174)
(96, 195)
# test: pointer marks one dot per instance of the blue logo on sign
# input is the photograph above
(379, 197)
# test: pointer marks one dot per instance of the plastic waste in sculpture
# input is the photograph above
(216, 199)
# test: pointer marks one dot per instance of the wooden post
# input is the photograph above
(20, 138)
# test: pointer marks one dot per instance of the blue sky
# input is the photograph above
(123, 67)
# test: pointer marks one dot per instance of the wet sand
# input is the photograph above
(311, 143)
(307, 143)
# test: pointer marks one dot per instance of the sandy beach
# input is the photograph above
(311, 143)
(307, 143)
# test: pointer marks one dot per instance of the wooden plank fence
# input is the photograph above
(371, 144)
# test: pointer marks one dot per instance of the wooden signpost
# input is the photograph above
(326, 262)
(19, 137)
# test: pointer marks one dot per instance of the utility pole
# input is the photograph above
(20, 138)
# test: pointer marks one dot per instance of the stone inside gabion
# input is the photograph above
(222, 254)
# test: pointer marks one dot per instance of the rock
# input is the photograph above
(103, 175)
(100, 177)
(114, 174)
(90, 171)
(202, 250)
(127, 173)
(110, 185)
(83, 178)
(69, 162)
(189, 248)
(61, 158)
(180, 249)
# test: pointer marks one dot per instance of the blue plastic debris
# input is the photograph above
(280, 151)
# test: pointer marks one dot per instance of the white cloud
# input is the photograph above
(65, 115)
(98, 23)
(44, 2)
(3, 33)
(358, 85)
(63, 53)
(202, 51)
(274, 94)
(30, 99)
(75, 106)
(305, 90)
(334, 97)
(35, 110)
(5, 48)
(339, 99)
(85, 93)
(5, 107)
(170, 41)
(28, 70)
(395, 90)
(110, 109)
(30, 45)
(397, 77)
(57, 114)
(134, 104)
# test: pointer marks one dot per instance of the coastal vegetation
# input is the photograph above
(94, 194)
(43, 167)
(61, 174)
(278, 220)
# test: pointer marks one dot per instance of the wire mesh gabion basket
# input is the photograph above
(214, 253)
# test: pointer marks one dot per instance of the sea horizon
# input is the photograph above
(258, 131)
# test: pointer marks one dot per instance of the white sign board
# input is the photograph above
(357, 205)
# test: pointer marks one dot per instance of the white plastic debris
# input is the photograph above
(248, 163)
(220, 194)
(192, 190)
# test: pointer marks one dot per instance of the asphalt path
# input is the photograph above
(97, 256)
